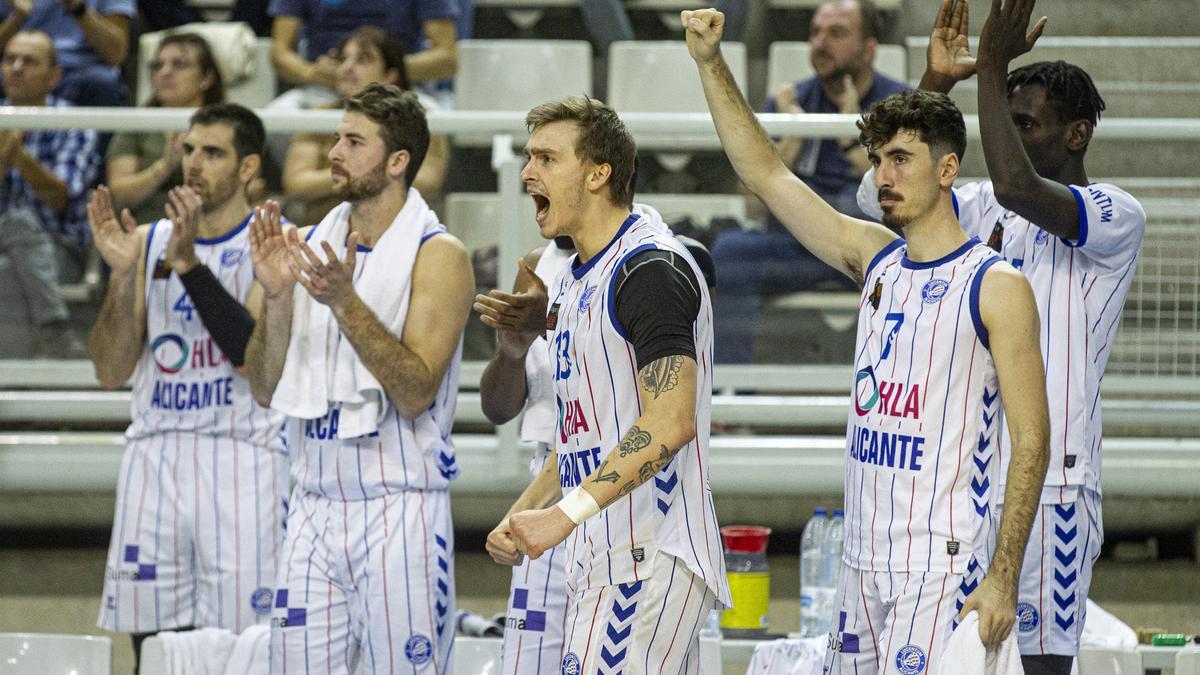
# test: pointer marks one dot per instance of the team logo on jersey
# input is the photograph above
(876, 294)
(1027, 617)
(552, 318)
(866, 391)
(570, 664)
(1041, 237)
(934, 289)
(995, 241)
(585, 300)
(260, 600)
(910, 660)
(418, 649)
(170, 353)
(231, 257)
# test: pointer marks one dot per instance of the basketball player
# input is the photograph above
(945, 327)
(360, 345)
(203, 484)
(1077, 242)
(630, 351)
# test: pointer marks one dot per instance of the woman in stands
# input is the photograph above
(144, 166)
(367, 55)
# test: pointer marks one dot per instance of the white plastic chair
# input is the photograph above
(476, 655)
(153, 660)
(1187, 662)
(1109, 662)
(788, 62)
(50, 654)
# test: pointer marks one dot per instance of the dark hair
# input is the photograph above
(1069, 89)
(872, 20)
(204, 59)
(248, 134)
(603, 139)
(935, 118)
(401, 121)
(390, 49)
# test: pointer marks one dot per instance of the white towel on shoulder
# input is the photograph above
(321, 367)
(203, 651)
(966, 655)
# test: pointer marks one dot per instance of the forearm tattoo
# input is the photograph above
(661, 375)
(655, 465)
(635, 439)
(602, 477)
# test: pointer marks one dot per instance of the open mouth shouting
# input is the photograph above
(542, 205)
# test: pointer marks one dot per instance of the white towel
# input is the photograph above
(793, 656)
(1102, 630)
(651, 215)
(322, 368)
(966, 655)
(251, 653)
(203, 651)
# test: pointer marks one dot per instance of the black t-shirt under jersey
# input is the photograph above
(657, 302)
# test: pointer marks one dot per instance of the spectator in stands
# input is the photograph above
(843, 37)
(368, 55)
(144, 166)
(416, 23)
(43, 217)
(91, 38)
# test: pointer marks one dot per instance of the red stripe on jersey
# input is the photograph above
(875, 512)
(961, 436)
(671, 645)
(587, 373)
(387, 609)
(587, 648)
(912, 497)
(237, 537)
(936, 613)
(863, 594)
(428, 574)
(932, 342)
(903, 304)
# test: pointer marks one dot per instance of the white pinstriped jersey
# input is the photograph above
(537, 424)
(598, 400)
(403, 454)
(1080, 287)
(919, 476)
(183, 382)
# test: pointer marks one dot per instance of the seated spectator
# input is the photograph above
(43, 210)
(842, 37)
(425, 28)
(368, 55)
(91, 38)
(144, 166)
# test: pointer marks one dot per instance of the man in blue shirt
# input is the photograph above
(46, 175)
(91, 38)
(843, 37)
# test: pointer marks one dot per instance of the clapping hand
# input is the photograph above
(519, 318)
(117, 240)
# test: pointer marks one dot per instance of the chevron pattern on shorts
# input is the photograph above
(441, 597)
(1064, 588)
(614, 646)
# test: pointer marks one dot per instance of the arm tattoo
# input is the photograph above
(627, 488)
(610, 477)
(661, 374)
(635, 439)
(647, 471)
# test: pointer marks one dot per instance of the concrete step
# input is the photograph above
(1072, 17)
(1106, 59)
(1121, 99)
(1166, 159)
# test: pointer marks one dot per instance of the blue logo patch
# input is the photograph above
(585, 300)
(260, 600)
(1027, 617)
(418, 649)
(934, 289)
(570, 664)
(231, 257)
(910, 660)
(1041, 237)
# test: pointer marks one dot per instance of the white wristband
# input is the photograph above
(579, 505)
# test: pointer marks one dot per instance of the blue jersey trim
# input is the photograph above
(612, 290)
(883, 252)
(954, 201)
(149, 240)
(312, 230)
(583, 269)
(906, 263)
(976, 283)
(228, 235)
(1083, 220)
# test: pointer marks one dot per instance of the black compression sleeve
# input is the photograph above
(227, 321)
(657, 302)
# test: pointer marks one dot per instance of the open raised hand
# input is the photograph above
(117, 240)
(949, 55)
(1006, 33)
(269, 250)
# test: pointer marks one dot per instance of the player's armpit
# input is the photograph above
(1009, 313)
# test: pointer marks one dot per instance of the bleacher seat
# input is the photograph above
(1109, 662)
(255, 90)
(52, 654)
(788, 62)
(1187, 661)
(517, 75)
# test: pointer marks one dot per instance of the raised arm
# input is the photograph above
(117, 337)
(844, 243)
(108, 34)
(267, 349)
(291, 67)
(948, 59)
(410, 368)
(1009, 314)
(440, 60)
(518, 319)
(1017, 185)
(131, 186)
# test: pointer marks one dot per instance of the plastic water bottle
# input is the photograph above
(810, 570)
(831, 567)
